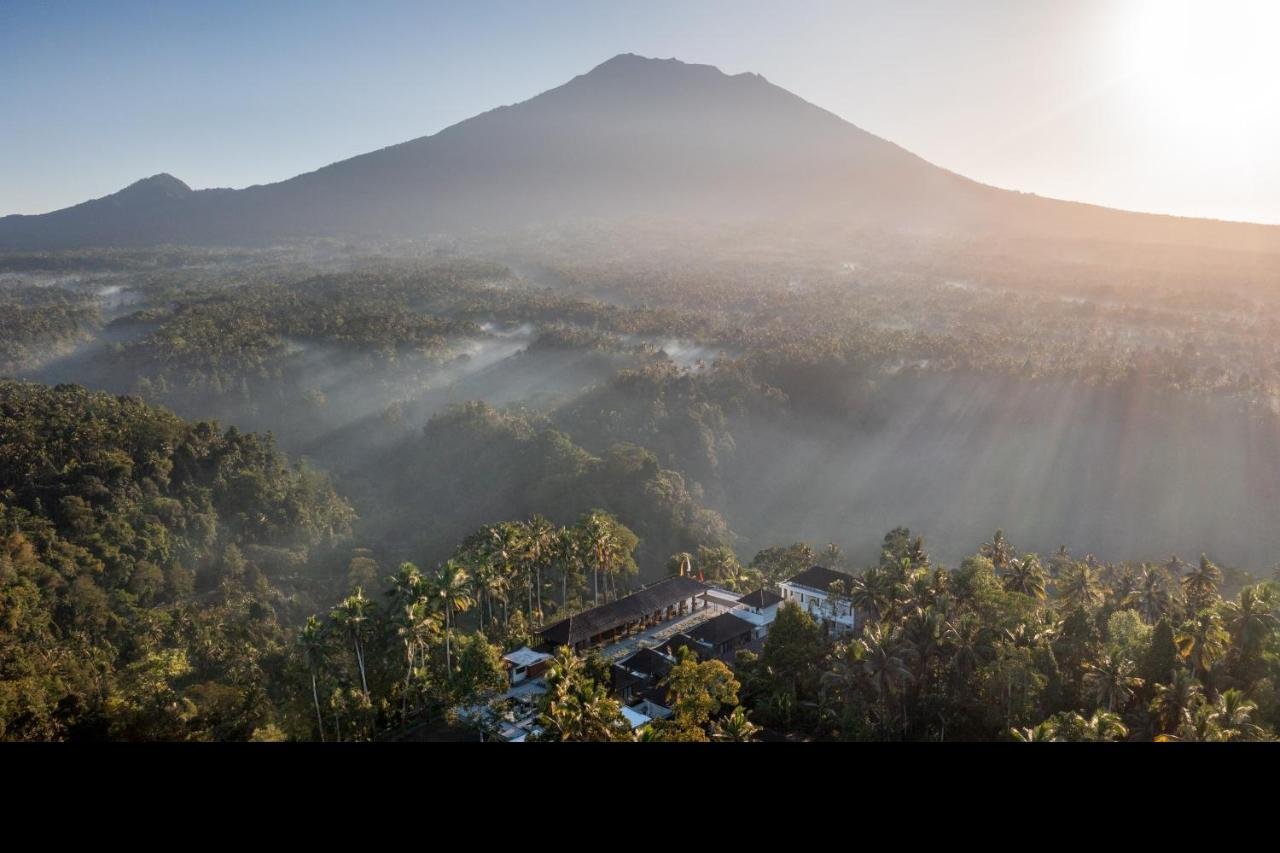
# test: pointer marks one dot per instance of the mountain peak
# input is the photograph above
(161, 185)
(635, 64)
(633, 60)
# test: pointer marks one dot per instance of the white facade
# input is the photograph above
(521, 660)
(820, 604)
(724, 601)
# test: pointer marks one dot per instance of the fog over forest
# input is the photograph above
(1130, 469)
(347, 456)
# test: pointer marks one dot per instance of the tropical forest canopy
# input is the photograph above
(317, 490)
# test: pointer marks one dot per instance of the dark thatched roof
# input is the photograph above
(647, 661)
(819, 578)
(760, 598)
(581, 627)
(722, 629)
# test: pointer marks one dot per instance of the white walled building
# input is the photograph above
(811, 591)
(760, 608)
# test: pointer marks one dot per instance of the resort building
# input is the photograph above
(814, 590)
(660, 602)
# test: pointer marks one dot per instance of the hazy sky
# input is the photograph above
(1161, 105)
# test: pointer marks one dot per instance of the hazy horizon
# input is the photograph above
(1132, 105)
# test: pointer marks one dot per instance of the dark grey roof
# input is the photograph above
(760, 598)
(721, 629)
(621, 678)
(682, 640)
(648, 662)
(583, 626)
(656, 695)
(819, 578)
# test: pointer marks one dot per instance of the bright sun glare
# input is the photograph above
(1207, 69)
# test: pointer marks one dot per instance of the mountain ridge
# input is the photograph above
(633, 138)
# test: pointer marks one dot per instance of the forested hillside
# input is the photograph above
(149, 568)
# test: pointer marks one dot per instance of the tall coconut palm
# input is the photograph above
(489, 581)
(417, 626)
(1026, 576)
(1123, 589)
(916, 554)
(845, 678)
(451, 591)
(352, 614)
(1112, 682)
(602, 545)
(571, 557)
(998, 551)
(924, 630)
(407, 585)
(970, 644)
(869, 594)
(1078, 587)
(1174, 701)
(1152, 594)
(1060, 560)
(886, 661)
(1201, 586)
(1202, 641)
(540, 544)
(1251, 618)
(311, 638)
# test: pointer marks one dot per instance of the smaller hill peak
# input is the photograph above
(162, 184)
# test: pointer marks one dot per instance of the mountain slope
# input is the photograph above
(635, 137)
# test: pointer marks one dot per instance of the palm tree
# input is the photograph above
(569, 551)
(1173, 701)
(601, 542)
(1201, 586)
(1202, 641)
(924, 630)
(735, 727)
(873, 593)
(1233, 710)
(1251, 619)
(575, 708)
(1175, 566)
(998, 551)
(352, 613)
(452, 594)
(1044, 732)
(916, 555)
(846, 676)
(1153, 594)
(490, 583)
(1060, 560)
(885, 661)
(1123, 592)
(540, 545)
(416, 627)
(407, 585)
(1026, 576)
(1078, 587)
(970, 643)
(1106, 726)
(1112, 681)
(311, 638)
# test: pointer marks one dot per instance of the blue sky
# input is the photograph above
(1147, 105)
